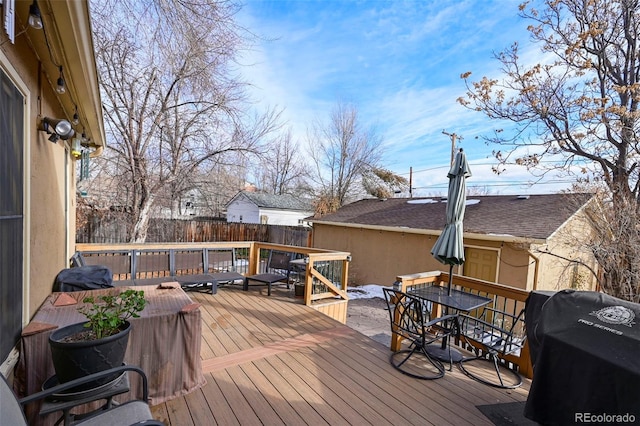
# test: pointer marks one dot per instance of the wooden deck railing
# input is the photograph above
(508, 299)
(324, 276)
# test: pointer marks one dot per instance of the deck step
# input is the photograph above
(336, 309)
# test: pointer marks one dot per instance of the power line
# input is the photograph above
(474, 164)
(483, 184)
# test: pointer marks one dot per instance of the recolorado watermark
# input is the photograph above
(604, 418)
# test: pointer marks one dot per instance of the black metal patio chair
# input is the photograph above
(411, 320)
(64, 398)
(492, 336)
(278, 269)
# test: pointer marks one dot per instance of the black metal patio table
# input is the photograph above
(458, 300)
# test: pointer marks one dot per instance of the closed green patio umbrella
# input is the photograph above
(449, 248)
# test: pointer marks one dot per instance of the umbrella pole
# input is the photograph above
(446, 308)
(443, 353)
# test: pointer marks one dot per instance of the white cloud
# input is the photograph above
(399, 62)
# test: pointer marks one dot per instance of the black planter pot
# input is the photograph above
(72, 360)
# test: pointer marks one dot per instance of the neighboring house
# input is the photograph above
(37, 168)
(193, 203)
(505, 238)
(268, 209)
(206, 199)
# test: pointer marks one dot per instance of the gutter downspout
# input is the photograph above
(536, 270)
(97, 152)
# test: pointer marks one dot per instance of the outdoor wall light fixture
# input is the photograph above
(35, 20)
(60, 88)
(76, 118)
(57, 128)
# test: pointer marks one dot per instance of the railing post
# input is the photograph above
(172, 262)
(205, 260)
(308, 282)
(345, 273)
(254, 259)
(134, 263)
(396, 339)
(524, 364)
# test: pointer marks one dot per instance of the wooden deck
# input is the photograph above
(273, 360)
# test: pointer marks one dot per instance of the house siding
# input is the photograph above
(243, 210)
(567, 243)
(280, 217)
(378, 256)
(49, 211)
(241, 206)
(49, 172)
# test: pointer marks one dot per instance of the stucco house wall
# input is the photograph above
(49, 210)
(48, 181)
(566, 243)
(378, 256)
(380, 253)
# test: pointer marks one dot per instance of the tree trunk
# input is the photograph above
(139, 234)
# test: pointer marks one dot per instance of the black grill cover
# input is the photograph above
(587, 369)
(532, 313)
(89, 277)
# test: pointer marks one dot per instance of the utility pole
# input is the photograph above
(453, 137)
(410, 182)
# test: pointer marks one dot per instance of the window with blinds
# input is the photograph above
(11, 213)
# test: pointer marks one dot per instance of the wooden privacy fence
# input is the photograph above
(114, 230)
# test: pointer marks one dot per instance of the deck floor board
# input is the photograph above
(222, 412)
(272, 360)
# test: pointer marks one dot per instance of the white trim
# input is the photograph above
(6, 67)
(70, 201)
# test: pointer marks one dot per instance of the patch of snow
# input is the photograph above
(471, 202)
(366, 291)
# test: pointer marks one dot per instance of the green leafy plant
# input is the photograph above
(107, 313)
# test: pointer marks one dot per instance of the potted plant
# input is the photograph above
(99, 343)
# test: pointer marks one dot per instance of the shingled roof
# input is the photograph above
(533, 216)
(279, 202)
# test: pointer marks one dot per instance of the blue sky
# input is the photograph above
(400, 63)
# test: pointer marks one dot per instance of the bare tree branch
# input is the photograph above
(173, 107)
(341, 151)
(582, 103)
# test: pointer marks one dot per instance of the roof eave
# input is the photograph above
(580, 210)
(469, 235)
(69, 26)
